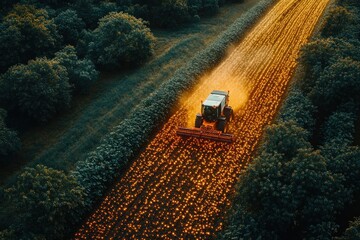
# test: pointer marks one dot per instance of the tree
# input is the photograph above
(339, 83)
(210, 7)
(9, 141)
(51, 3)
(347, 164)
(340, 22)
(5, 4)
(7, 234)
(355, 3)
(298, 108)
(285, 138)
(82, 73)
(319, 54)
(45, 202)
(91, 11)
(39, 89)
(194, 6)
(352, 232)
(339, 129)
(69, 26)
(26, 33)
(120, 39)
(282, 198)
(171, 13)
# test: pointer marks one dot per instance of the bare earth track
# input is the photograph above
(180, 188)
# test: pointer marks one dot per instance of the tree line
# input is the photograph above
(304, 181)
(45, 203)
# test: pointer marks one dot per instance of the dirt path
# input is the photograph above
(180, 188)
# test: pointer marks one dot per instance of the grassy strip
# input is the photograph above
(67, 160)
(118, 147)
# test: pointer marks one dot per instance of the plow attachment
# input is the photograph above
(205, 134)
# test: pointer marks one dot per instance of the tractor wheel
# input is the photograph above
(228, 112)
(221, 124)
(198, 120)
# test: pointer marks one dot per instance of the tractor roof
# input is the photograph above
(214, 99)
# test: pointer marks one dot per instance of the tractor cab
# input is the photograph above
(212, 107)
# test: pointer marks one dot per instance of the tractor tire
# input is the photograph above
(228, 112)
(221, 124)
(198, 120)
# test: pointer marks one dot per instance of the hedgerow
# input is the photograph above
(118, 147)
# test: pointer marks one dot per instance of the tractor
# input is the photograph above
(213, 120)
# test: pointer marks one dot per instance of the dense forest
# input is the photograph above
(304, 182)
(53, 50)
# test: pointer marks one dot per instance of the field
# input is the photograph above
(180, 188)
(72, 135)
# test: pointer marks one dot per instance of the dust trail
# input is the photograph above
(180, 188)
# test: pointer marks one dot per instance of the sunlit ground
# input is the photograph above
(181, 188)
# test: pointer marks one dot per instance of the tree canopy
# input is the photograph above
(340, 22)
(69, 26)
(44, 202)
(9, 141)
(82, 73)
(25, 33)
(339, 83)
(285, 138)
(38, 90)
(286, 197)
(120, 39)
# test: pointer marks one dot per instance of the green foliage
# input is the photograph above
(9, 141)
(26, 33)
(340, 22)
(120, 39)
(171, 13)
(7, 234)
(285, 138)
(347, 164)
(90, 12)
(44, 202)
(298, 108)
(51, 3)
(6, 4)
(69, 26)
(292, 196)
(352, 3)
(210, 7)
(82, 73)
(138, 11)
(38, 90)
(339, 83)
(339, 129)
(319, 54)
(194, 6)
(352, 232)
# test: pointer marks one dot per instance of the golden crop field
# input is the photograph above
(181, 188)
